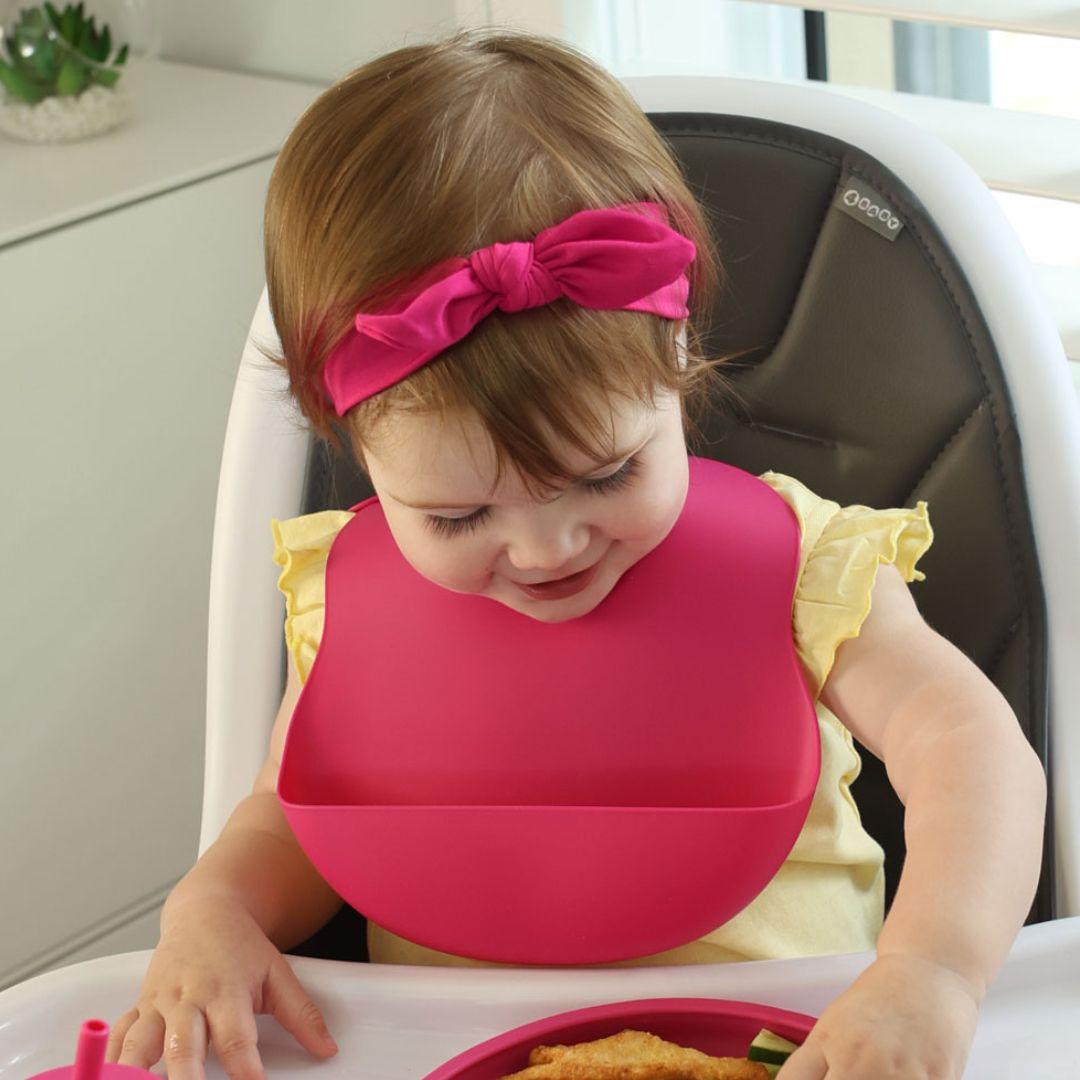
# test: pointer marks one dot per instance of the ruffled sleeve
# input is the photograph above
(842, 547)
(301, 545)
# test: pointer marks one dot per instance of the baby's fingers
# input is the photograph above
(806, 1063)
(135, 1039)
(185, 1042)
(295, 1011)
(234, 1036)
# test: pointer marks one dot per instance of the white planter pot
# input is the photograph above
(59, 119)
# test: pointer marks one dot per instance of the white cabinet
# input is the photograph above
(130, 267)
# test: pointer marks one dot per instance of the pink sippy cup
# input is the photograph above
(90, 1061)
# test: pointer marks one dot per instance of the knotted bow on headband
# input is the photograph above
(624, 257)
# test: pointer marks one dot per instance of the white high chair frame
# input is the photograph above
(266, 449)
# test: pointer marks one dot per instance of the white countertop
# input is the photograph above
(188, 123)
(398, 1023)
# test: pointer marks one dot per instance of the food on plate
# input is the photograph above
(771, 1050)
(634, 1055)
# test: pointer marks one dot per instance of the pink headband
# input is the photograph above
(624, 257)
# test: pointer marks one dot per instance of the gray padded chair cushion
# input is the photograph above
(872, 378)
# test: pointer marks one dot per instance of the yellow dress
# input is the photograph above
(829, 894)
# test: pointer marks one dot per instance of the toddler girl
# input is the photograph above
(526, 249)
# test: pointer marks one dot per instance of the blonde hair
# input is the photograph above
(486, 135)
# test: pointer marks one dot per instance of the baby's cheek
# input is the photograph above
(450, 569)
(462, 565)
(648, 518)
(427, 555)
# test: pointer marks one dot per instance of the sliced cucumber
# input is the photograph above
(771, 1050)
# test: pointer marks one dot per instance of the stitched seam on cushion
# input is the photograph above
(1010, 633)
(945, 446)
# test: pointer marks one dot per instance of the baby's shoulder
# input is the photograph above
(834, 531)
(842, 548)
(313, 532)
(301, 547)
(793, 490)
(812, 510)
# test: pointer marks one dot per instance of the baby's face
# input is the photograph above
(513, 538)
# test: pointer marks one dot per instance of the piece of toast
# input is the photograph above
(634, 1055)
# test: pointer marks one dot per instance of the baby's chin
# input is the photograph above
(571, 607)
(546, 611)
(614, 563)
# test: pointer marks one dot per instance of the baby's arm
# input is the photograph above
(257, 861)
(973, 789)
(252, 895)
(974, 794)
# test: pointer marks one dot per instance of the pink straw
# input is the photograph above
(90, 1052)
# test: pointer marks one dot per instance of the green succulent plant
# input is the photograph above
(57, 54)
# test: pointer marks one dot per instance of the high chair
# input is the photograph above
(898, 349)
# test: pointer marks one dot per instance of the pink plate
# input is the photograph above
(714, 1026)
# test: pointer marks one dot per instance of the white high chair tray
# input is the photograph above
(394, 1022)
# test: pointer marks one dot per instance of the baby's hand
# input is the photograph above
(212, 970)
(903, 1018)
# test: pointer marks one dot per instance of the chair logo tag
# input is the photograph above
(859, 200)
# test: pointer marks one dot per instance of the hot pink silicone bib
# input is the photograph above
(607, 787)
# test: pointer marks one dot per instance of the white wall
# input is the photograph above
(321, 40)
